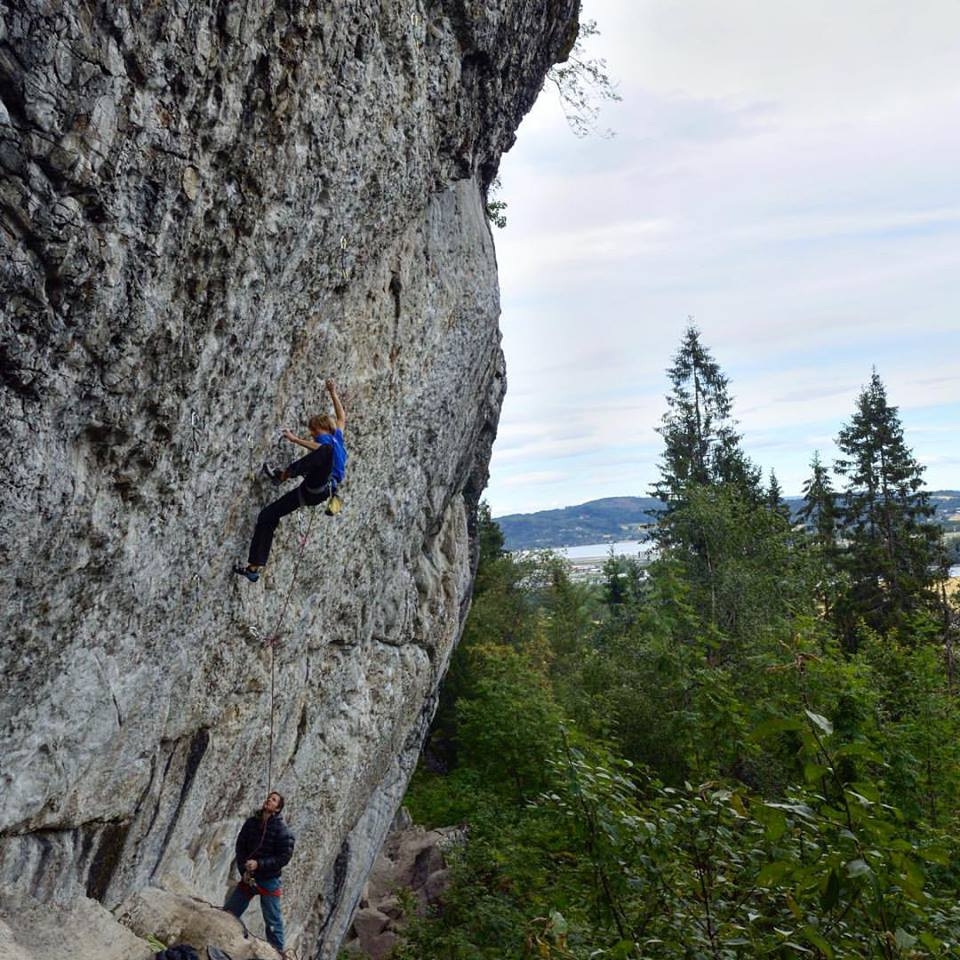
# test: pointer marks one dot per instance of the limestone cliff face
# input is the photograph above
(206, 209)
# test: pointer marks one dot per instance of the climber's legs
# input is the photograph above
(267, 522)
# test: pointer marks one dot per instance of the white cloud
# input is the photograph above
(822, 55)
(786, 174)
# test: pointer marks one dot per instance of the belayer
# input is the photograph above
(322, 471)
(264, 847)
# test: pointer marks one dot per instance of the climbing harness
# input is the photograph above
(329, 487)
(250, 887)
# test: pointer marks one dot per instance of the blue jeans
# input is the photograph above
(240, 898)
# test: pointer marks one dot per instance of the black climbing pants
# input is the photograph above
(272, 514)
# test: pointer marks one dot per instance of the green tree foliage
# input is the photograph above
(918, 727)
(718, 871)
(495, 207)
(490, 539)
(819, 510)
(736, 558)
(684, 760)
(818, 514)
(502, 609)
(701, 445)
(623, 588)
(893, 552)
(567, 615)
(775, 499)
(508, 694)
(714, 503)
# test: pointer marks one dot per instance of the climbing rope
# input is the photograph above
(273, 639)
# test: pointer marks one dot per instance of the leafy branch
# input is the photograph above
(583, 84)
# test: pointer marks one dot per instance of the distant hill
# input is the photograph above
(627, 518)
(598, 521)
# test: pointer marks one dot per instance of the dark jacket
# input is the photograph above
(270, 844)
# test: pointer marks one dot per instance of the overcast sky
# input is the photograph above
(788, 175)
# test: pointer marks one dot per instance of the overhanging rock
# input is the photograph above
(208, 208)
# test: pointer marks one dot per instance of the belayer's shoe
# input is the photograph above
(272, 473)
(252, 575)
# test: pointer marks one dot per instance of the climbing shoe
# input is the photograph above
(272, 473)
(252, 575)
(334, 506)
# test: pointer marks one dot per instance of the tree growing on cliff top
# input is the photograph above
(583, 84)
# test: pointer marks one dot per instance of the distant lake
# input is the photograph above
(634, 548)
(622, 548)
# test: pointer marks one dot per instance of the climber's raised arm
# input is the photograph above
(337, 405)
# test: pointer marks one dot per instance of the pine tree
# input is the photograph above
(892, 553)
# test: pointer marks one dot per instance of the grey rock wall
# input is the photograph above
(206, 208)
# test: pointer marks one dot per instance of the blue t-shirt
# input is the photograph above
(335, 440)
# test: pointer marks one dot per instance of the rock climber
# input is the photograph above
(264, 847)
(322, 470)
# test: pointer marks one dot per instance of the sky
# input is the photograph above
(788, 175)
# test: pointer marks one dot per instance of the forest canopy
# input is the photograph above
(748, 748)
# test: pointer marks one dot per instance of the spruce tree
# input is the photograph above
(717, 523)
(819, 510)
(775, 499)
(491, 542)
(701, 445)
(891, 556)
(818, 514)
